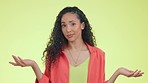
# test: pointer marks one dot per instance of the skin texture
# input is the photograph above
(72, 30)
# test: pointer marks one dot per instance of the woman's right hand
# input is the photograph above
(22, 62)
(27, 62)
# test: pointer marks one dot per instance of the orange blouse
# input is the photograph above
(60, 72)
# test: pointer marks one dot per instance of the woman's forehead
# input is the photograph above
(69, 17)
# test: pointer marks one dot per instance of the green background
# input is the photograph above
(120, 27)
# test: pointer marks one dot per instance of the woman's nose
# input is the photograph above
(68, 28)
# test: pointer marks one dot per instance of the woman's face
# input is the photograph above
(71, 27)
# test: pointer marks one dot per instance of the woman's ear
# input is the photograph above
(82, 25)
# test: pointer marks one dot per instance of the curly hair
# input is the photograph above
(57, 39)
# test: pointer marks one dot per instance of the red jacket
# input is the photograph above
(60, 72)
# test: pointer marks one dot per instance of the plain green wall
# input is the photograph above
(120, 27)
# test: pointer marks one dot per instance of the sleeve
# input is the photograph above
(45, 76)
(106, 81)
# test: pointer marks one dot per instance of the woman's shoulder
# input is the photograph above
(97, 49)
(99, 53)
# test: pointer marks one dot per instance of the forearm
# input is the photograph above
(37, 71)
(114, 77)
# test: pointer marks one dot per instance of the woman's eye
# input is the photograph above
(73, 24)
(63, 25)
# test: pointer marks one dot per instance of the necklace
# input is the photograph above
(75, 61)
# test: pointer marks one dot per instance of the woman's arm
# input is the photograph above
(27, 62)
(125, 72)
(37, 71)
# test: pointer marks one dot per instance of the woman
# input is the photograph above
(71, 55)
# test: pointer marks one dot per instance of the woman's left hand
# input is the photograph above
(129, 73)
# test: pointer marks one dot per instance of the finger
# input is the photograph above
(15, 58)
(140, 74)
(14, 64)
(18, 62)
(21, 60)
(132, 73)
(136, 73)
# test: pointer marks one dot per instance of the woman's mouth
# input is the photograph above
(70, 35)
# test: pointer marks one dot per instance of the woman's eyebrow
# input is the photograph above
(69, 21)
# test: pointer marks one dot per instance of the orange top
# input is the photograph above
(60, 72)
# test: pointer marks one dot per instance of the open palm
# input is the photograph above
(22, 62)
(130, 73)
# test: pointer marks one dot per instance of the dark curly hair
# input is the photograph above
(57, 39)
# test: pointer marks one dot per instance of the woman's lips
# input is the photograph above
(70, 35)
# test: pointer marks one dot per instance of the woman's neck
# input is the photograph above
(75, 45)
